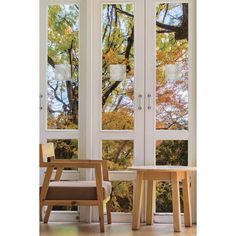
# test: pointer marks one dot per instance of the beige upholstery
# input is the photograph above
(76, 190)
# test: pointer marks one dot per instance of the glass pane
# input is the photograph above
(169, 152)
(63, 66)
(118, 66)
(164, 197)
(122, 196)
(172, 66)
(119, 153)
(172, 152)
(65, 149)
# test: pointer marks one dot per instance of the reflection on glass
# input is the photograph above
(118, 66)
(63, 66)
(169, 152)
(118, 153)
(172, 66)
(65, 149)
(122, 196)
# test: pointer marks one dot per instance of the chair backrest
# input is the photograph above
(105, 170)
(47, 153)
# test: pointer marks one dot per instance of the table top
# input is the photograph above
(164, 168)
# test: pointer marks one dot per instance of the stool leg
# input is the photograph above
(138, 201)
(150, 198)
(176, 201)
(187, 204)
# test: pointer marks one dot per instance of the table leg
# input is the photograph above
(187, 205)
(175, 201)
(150, 198)
(138, 201)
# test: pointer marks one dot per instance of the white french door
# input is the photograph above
(64, 29)
(117, 82)
(118, 90)
(162, 104)
(170, 102)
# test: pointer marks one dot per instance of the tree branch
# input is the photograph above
(55, 94)
(51, 62)
(124, 12)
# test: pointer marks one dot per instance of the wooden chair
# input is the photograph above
(70, 193)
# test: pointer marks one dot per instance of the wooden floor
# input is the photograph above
(73, 229)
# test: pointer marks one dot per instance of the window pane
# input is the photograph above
(118, 66)
(122, 196)
(164, 197)
(65, 148)
(119, 153)
(172, 66)
(169, 152)
(172, 152)
(63, 66)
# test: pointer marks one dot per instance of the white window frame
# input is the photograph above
(83, 134)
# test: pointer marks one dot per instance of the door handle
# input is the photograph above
(149, 101)
(140, 101)
(40, 101)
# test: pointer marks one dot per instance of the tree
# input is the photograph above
(63, 29)
(181, 30)
(117, 48)
(172, 152)
(169, 152)
(122, 196)
(172, 48)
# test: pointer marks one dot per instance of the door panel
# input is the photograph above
(118, 61)
(62, 63)
(170, 96)
(118, 90)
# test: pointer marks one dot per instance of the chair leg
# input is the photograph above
(48, 212)
(40, 213)
(101, 217)
(108, 207)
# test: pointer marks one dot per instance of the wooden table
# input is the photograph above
(173, 174)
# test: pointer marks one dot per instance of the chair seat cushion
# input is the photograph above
(76, 190)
